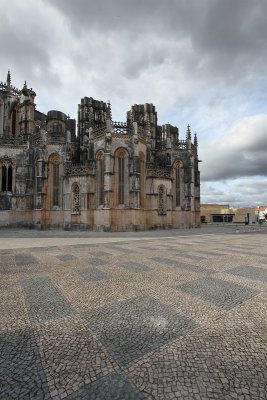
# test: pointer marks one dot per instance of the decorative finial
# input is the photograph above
(25, 85)
(8, 79)
(188, 133)
(195, 139)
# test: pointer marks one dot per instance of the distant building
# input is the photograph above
(113, 176)
(223, 213)
(261, 212)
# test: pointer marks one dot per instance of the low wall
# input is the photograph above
(99, 220)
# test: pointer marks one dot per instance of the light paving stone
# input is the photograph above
(104, 321)
(83, 294)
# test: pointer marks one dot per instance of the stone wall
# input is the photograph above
(99, 220)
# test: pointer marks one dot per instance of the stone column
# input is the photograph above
(135, 174)
(107, 167)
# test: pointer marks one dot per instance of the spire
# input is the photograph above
(195, 139)
(109, 115)
(8, 79)
(25, 89)
(188, 133)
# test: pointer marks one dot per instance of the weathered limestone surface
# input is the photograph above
(132, 175)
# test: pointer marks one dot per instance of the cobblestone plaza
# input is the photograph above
(151, 315)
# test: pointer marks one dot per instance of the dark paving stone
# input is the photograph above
(135, 267)
(44, 301)
(84, 246)
(180, 265)
(6, 252)
(240, 252)
(218, 292)
(255, 273)
(146, 248)
(66, 257)
(186, 255)
(96, 261)
(114, 386)
(131, 328)
(92, 274)
(100, 253)
(120, 247)
(213, 253)
(25, 259)
(21, 372)
(44, 249)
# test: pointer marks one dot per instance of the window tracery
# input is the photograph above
(76, 199)
(6, 181)
(162, 200)
(100, 178)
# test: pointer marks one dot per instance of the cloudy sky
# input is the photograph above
(200, 62)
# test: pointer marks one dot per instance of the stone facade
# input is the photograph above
(131, 175)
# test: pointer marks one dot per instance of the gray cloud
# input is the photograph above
(242, 152)
(242, 192)
(200, 62)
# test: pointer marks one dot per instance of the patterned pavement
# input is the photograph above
(134, 317)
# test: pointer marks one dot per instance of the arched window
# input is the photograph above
(6, 175)
(75, 198)
(4, 178)
(142, 180)
(55, 171)
(177, 187)
(14, 122)
(100, 178)
(162, 200)
(121, 179)
(9, 178)
(121, 166)
(177, 184)
(56, 184)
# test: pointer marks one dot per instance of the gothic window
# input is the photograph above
(75, 199)
(162, 200)
(177, 187)
(121, 179)
(55, 170)
(6, 176)
(100, 178)
(121, 163)
(142, 180)
(177, 184)
(56, 184)
(14, 122)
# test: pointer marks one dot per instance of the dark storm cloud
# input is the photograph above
(225, 36)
